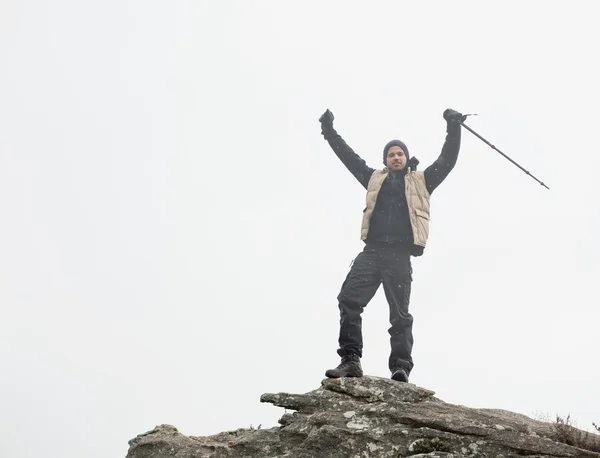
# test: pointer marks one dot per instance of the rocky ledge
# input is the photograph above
(371, 417)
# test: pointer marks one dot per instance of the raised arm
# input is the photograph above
(441, 167)
(353, 162)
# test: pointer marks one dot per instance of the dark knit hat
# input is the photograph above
(395, 143)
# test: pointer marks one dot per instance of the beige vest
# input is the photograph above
(417, 199)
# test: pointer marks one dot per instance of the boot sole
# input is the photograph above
(331, 374)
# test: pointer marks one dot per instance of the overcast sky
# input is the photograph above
(175, 230)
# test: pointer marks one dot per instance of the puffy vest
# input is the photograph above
(417, 199)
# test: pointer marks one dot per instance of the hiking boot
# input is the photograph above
(400, 375)
(349, 367)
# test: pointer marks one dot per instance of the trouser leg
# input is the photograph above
(396, 273)
(359, 287)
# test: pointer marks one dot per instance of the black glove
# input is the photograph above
(452, 116)
(326, 118)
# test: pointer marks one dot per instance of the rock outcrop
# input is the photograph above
(371, 417)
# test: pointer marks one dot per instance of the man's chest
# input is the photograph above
(393, 187)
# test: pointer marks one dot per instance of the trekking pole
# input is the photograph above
(493, 147)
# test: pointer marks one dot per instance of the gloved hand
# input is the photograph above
(452, 116)
(326, 118)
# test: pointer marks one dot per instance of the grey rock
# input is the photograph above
(369, 417)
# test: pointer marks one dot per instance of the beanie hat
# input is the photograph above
(411, 162)
(395, 143)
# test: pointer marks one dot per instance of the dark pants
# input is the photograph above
(376, 264)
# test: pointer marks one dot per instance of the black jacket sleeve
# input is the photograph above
(441, 167)
(353, 162)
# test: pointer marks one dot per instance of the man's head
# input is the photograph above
(395, 155)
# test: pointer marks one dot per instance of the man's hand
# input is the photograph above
(453, 116)
(326, 118)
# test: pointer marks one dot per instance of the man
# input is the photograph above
(395, 226)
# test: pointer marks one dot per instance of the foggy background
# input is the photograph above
(174, 229)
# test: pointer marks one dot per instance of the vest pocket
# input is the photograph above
(422, 213)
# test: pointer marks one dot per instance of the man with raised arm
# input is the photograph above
(395, 225)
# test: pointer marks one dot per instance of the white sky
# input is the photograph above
(175, 230)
